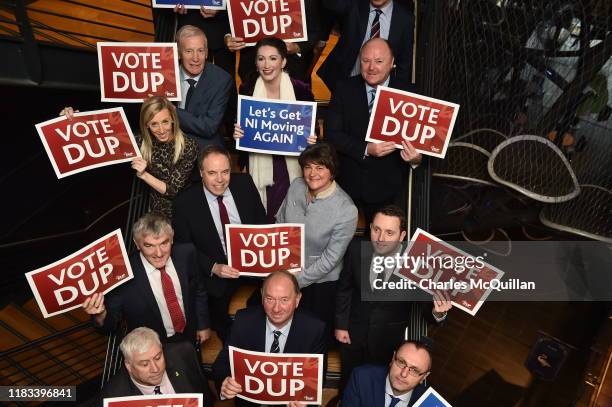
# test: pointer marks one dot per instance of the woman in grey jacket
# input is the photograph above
(330, 220)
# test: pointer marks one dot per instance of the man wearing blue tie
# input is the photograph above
(400, 385)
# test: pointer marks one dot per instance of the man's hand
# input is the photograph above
(442, 303)
(207, 12)
(381, 149)
(94, 306)
(343, 336)
(234, 43)
(225, 271)
(312, 139)
(203, 335)
(180, 9)
(296, 404)
(409, 153)
(230, 387)
(292, 48)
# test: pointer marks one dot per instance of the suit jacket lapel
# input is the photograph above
(379, 392)
(140, 278)
(178, 381)
(364, 14)
(396, 26)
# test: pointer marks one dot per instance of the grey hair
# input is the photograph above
(190, 31)
(139, 340)
(152, 224)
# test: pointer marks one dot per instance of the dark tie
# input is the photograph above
(275, 348)
(176, 314)
(394, 401)
(375, 30)
(192, 83)
(371, 95)
(223, 215)
(157, 390)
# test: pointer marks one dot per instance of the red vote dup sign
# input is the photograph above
(97, 268)
(90, 140)
(134, 71)
(277, 378)
(436, 265)
(426, 122)
(258, 250)
(253, 20)
(160, 400)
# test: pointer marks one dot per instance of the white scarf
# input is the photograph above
(260, 165)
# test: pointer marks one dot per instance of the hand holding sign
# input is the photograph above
(410, 154)
(225, 271)
(94, 306)
(380, 149)
(234, 43)
(230, 388)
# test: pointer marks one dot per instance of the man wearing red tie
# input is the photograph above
(200, 215)
(166, 293)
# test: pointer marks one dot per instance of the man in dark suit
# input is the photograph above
(361, 20)
(277, 327)
(371, 173)
(400, 385)
(150, 369)
(166, 293)
(369, 331)
(206, 88)
(200, 215)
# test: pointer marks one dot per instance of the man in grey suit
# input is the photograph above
(206, 88)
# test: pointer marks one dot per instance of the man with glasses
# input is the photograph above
(398, 386)
(370, 322)
(278, 326)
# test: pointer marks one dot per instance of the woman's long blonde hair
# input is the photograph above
(150, 108)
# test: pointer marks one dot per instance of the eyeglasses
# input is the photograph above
(166, 124)
(412, 370)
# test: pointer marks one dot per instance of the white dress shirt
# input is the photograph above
(165, 387)
(154, 276)
(282, 339)
(232, 212)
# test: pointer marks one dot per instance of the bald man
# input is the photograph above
(277, 326)
(373, 174)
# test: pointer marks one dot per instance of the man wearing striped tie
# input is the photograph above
(373, 174)
(278, 326)
(361, 20)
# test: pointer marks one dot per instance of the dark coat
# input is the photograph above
(353, 17)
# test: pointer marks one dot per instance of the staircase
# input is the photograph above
(62, 351)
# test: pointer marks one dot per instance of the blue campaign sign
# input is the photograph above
(195, 4)
(431, 398)
(275, 126)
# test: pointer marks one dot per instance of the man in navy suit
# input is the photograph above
(361, 20)
(205, 88)
(152, 369)
(166, 293)
(277, 327)
(400, 385)
(373, 174)
(200, 215)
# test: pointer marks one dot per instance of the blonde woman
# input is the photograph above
(168, 157)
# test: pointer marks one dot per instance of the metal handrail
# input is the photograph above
(44, 339)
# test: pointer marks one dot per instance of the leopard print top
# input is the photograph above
(176, 176)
